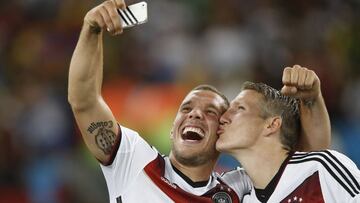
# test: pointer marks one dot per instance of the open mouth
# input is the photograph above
(192, 134)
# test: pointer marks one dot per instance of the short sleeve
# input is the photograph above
(133, 154)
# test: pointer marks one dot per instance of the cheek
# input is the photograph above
(238, 125)
(177, 123)
(211, 143)
(241, 131)
(214, 123)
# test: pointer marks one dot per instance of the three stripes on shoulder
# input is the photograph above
(332, 164)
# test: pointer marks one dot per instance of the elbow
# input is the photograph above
(78, 105)
(73, 100)
(75, 104)
(81, 99)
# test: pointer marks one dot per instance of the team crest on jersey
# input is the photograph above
(221, 197)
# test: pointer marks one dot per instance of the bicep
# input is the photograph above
(99, 129)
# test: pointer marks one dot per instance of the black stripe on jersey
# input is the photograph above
(329, 170)
(118, 199)
(346, 169)
(122, 16)
(131, 13)
(355, 185)
(316, 157)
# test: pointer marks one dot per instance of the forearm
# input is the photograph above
(85, 73)
(316, 128)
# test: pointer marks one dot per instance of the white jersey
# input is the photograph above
(322, 176)
(138, 173)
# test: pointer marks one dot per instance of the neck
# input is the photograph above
(195, 173)
(270, 161)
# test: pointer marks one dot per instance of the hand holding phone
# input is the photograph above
(110, 17)
(134, 14)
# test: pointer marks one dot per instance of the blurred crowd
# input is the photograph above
(148, 70)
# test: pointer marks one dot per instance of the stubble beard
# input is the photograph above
(197, 159)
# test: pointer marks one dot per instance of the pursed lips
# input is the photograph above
(220, 130)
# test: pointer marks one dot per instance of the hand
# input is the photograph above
(105, 16)
(301, 83)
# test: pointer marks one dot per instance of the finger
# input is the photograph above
(295, 75)
(114, 17)
(286, 78)
(96, 20)
(296, 66)
(107, 19)
(310, 78)
(93, 18)
(302, 78)
(288, 90)
(119, 4)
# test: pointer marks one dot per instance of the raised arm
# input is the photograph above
(305, 85)
(94, 118)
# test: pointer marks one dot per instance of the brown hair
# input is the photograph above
(284, 106)
(213, 89)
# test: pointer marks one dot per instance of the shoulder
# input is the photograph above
(238, 180)
(323, 157)
(127, 131)
(236, 173)
(130, 138)
(333, 167)
(329, 160)
(131, 146)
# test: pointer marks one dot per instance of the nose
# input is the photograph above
(224, 119)
(196, 114)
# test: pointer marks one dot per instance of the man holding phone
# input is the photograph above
(129, 164)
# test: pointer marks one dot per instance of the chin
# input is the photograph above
(193, 160)
(224, 146)
(186, 153)
(220, 146)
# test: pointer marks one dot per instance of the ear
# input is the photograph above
(273, 125)
(171, 134)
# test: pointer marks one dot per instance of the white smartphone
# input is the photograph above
(134, 14)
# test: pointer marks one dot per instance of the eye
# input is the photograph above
(212, 112)
(185, 109)
(241, 107)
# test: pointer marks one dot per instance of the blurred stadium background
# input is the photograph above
(149, 69)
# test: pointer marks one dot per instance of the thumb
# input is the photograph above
(288, 90)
